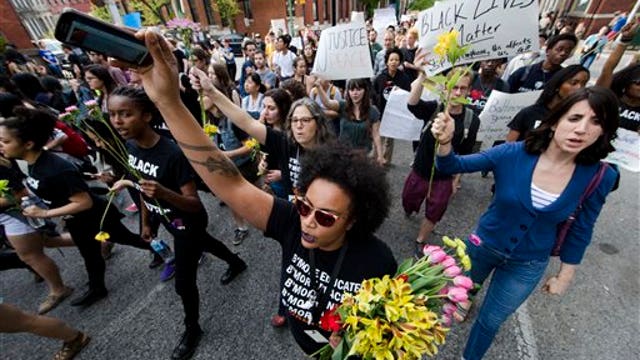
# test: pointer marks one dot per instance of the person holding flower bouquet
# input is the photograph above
(60, 185)
(326, 234)
(436, 190)
(168, 194)
(514, 238)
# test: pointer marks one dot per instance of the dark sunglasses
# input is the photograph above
(322, 217)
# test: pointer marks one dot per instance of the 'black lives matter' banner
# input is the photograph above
(493, 28)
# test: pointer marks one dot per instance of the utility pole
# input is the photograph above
(291, 9)
(113, 10)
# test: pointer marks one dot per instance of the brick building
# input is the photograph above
(11, 28)
(593, 13)
(256, 15)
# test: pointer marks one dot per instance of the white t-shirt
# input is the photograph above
(285, 62)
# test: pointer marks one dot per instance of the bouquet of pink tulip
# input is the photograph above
(402, 317)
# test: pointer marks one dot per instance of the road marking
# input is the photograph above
(526, 340)
(127, 315)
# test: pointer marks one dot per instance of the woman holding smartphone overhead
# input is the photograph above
(329, 226)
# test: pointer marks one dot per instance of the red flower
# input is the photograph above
(330, 320)
(403, 277)
(476, 94)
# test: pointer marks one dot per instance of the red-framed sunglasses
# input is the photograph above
(322, 217)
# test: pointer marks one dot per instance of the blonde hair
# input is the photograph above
(414, 32)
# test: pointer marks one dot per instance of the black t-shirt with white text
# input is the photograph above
(54, 179)
(364, 259)
(164, 163)
(629, 117)
(528, 119)
(287, 154)
(480, 92)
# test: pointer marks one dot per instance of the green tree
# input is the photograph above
(369, 6)
(421, 4)
(150, 10)
(101, 12)
(228, 9)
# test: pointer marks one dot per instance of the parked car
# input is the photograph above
(235, 40)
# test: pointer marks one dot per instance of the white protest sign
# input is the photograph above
(493, 28)
(381, 19)
(627, 154)
(343, 53)
(279, 26)
(397, 121)
(357, 16)
(499, 111)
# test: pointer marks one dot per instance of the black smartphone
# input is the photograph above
(81, 30)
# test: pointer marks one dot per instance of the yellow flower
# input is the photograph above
(461, 252)
(210, 129)
(466, 262)
(446, 43)
(448, 242)
(252, 143)
(460, 243)
(102, 236)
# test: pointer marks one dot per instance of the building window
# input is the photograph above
(314, 10)
(327, 14)
(194, 11)
(581, 5)
(208, 10)
(246, 7)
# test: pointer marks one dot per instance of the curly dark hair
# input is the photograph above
(623, 79)
(27, 84)
(31, 125)
(604, 104)
(396, 51)
(362, 179)
(139, 97)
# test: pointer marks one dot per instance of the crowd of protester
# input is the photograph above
(317, 186)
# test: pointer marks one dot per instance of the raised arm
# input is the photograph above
(160, 81)
(606, 76)
(200, 80)
(326, 101)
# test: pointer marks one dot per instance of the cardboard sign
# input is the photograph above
(381, 19)
(493, 28)
(343, 53)
(627, 154)
(357, 16)
(499, 111)
(397, 121)
(279, 26)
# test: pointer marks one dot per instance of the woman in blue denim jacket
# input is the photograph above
(553, 167)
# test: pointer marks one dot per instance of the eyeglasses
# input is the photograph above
(635, 81)
(304, 120)
(322, 217)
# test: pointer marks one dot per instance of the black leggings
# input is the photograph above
(83, 228)
(189, 245)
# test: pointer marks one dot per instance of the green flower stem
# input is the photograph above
(203, 112)
(106, 209)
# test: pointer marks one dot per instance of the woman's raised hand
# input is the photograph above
(200, 80)
(160, 79)
(442, 128)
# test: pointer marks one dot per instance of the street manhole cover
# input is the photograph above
(608, 249)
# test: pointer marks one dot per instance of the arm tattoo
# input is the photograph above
(196, 147)
(223, 165)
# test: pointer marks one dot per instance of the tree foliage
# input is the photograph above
(421, 4)
(228, 10)
(369, 6)
(150, 10)
(101, 12)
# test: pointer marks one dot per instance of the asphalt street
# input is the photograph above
(141, 318)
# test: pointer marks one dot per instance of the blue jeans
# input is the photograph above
(511, 284)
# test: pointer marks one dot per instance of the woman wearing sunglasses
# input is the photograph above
(327, 240)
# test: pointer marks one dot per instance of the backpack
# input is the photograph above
(468, 119)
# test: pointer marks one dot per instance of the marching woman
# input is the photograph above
(514, 238)
(329, 227)
(168, 194)
(100, 81)
(253, 102)
(60, 185)
(359, 118)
